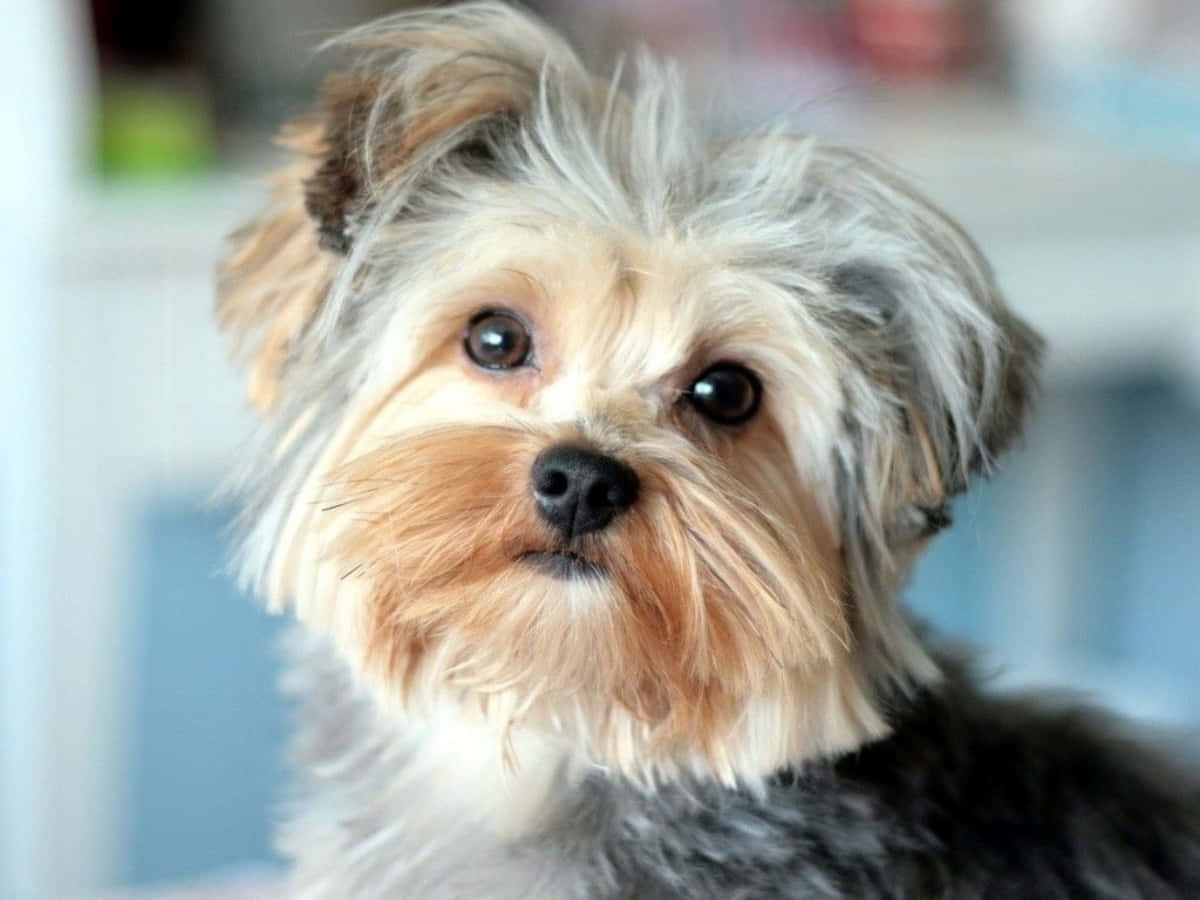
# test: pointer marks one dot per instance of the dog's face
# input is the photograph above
(578, 419)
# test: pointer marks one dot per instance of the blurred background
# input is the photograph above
(140, 732)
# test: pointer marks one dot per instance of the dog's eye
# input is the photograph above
(726, 393)
(496, 339)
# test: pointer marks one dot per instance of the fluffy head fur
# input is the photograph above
(747, 618)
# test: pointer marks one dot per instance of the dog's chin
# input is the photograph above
(564, 565)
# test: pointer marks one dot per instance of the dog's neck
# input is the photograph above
(507, 785)
(430, 804)
(416, 801)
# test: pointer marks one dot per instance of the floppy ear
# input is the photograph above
(428, 88)
(939, 397)
(938, 377)
(942, 373)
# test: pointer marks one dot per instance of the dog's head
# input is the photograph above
(579, 418)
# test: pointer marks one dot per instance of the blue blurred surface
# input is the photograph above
(207, 727)
(1132, 573)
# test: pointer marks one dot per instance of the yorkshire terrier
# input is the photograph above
(595, 452)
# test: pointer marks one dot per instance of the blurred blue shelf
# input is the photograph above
(207, 726)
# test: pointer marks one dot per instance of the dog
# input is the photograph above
(596, 449)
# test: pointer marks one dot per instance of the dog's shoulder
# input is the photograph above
(1036, 789)
(972, 795)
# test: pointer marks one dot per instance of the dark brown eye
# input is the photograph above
(726, 393)
(496, 339)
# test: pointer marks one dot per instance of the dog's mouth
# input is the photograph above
(565, 564)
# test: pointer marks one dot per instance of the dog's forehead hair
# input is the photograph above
(620, 310)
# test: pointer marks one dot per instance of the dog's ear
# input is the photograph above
(942, 374)
(938, 376)
(444, 87)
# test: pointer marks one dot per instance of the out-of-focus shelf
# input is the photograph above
(137, 280)
(145, 229)
(1007, 171)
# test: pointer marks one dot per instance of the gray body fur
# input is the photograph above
(972, 797)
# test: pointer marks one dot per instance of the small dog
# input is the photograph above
(595, 453)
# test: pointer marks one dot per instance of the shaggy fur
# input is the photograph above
(972, 797)
(478, 728)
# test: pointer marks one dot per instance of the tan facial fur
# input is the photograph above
(723, 583)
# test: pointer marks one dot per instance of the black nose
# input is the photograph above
(579, 491)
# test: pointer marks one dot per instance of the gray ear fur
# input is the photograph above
(942, 373)
(999, 381)
(938, 379)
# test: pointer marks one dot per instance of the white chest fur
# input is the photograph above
(427, 808)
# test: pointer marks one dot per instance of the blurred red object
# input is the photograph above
(911, 38)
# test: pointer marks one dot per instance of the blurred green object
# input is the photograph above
(150, 128)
